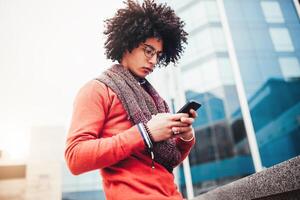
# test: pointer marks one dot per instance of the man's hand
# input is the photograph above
(161, 125)
(186, 133)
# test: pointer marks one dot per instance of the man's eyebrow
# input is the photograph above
(149, 45)
(152, 47)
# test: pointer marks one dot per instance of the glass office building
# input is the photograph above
(87, 186)
(266, 42)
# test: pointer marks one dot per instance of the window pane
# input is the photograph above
(212, 11)
(272, 12)
(290, 67)
(218, 39)
(199, 16)
(226, 73)
(281, 39)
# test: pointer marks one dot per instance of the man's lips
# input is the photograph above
(148, 69)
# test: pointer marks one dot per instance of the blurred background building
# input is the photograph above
(264, 35)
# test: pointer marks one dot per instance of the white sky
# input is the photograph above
(48, 50)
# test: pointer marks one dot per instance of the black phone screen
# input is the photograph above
(188, 106)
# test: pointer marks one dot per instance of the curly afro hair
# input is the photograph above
(135, 23)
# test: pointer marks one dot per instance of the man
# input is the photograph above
(120, 124)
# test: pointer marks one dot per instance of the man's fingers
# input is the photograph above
(178, 123)
(179, 130)
(177, 116)
(187, 120)
(193, 113)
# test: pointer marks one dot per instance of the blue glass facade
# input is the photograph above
(268, 49)
(84, 195)
(83, 187)
(267, 44)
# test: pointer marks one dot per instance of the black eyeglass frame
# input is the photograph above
(150, 51)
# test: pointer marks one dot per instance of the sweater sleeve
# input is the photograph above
(184, 147)
(86, 149)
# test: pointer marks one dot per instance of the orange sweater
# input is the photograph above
(102, 137)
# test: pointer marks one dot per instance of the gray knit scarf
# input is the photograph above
(140, 103)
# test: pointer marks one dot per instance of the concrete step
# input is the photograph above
(281, 181)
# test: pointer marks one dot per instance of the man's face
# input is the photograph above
(141, 60)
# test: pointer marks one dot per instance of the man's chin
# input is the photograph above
(141, 74)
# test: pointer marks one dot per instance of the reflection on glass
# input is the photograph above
(212, 12)
(281, 39)
(221, 152)
(266, 40)
(85, 186)
(272, 11)
(225, 71)
(275, 109)
(197, 10)
(210, 74)
(191, 52)
(218, 38)
(289, 66)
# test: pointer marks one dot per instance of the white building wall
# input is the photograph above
(43, 175)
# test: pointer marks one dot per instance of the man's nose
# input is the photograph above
(153, 59)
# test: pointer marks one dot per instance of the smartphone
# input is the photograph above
(188, 106)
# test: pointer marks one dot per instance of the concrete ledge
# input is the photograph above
(281, 181)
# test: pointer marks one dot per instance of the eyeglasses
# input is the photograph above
(150, 51)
